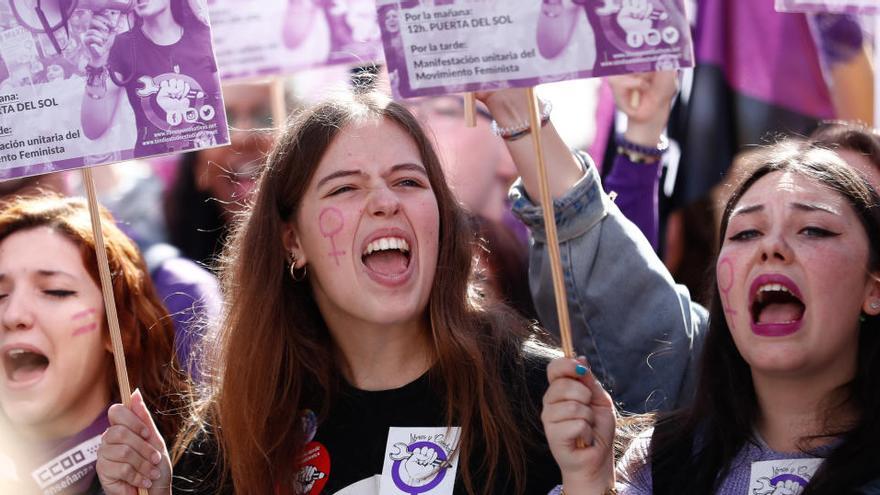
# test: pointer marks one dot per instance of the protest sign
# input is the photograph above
(842, 6)
(284, 36)
(83, 83)
(449, 46)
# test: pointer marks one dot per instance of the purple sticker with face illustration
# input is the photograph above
(841, 6)
(447, 46)
(283, 36)
(82, 84)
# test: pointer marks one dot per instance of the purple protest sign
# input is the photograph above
(88, 82)
(447, 46)
(843, 6)
(284, 36)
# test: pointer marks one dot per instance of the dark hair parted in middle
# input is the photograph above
(694, 448)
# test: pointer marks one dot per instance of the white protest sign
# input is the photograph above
(448, 46)
(284, 36)
(85, 83)
(844, 6)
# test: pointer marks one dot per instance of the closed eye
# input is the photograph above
(59, 293)
(339, 190)
(745, 235)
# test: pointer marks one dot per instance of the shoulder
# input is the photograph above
(634, 466)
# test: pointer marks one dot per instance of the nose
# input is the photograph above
(774, 247)
(16, 313)
(383, 202)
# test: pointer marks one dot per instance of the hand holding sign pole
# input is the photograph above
(107, 292)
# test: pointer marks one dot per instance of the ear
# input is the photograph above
(290, 239)
(871, 306)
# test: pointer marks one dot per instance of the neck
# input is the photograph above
(162, 29)
(383, 357)
(795, 408)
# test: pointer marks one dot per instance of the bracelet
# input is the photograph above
(96, 81)
(641, 154)
(657, 150)
(519, 131)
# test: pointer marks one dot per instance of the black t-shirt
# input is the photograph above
(350, 444)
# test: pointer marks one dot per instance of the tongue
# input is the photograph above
(781, 313)
(387, 262)
(29, 367)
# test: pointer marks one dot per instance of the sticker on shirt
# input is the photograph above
(314, 470)
(309, 423)
(784, 476)
(420, 461)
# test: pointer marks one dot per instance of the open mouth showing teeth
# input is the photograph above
(24, 365)
(775, 304)
(387, 256)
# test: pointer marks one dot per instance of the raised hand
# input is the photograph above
(99, 38)
(648, 113)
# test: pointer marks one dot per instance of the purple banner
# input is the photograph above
(254, 38)
(448, 46)
(844, 6)
(98, 81)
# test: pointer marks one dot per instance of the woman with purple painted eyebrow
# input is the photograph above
(793, 347)
(58, 379)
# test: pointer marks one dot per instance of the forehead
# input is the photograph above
(783, 187)
(40, 248)
(369, 146)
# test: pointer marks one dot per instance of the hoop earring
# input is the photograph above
(297, 277)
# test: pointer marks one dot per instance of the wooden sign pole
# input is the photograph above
(550, 227)
(107, 292)
(470, 110)
(279, 105)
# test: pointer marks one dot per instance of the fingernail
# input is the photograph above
(154, 474)
(146, 483)
(145, 433)
(581, 370)
(156, 458)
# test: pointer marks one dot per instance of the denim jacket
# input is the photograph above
(639, 330)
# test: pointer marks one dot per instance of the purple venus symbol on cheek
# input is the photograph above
(725, 283)
(330, 222)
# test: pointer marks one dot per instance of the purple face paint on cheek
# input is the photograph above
(330, 222)
(88, 324)
(725, 283)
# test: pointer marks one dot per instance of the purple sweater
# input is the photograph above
(638, 480)
(637, 186)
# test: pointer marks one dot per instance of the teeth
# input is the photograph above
(771, 288)
(16, 352)
(386, 244)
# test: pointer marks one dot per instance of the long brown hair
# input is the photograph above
(274, 353)
(147, 330)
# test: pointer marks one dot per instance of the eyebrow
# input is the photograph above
(348, 173)
(796, 205)
(409, 166)
(44, 274)
(338, 174)
(815, 207)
